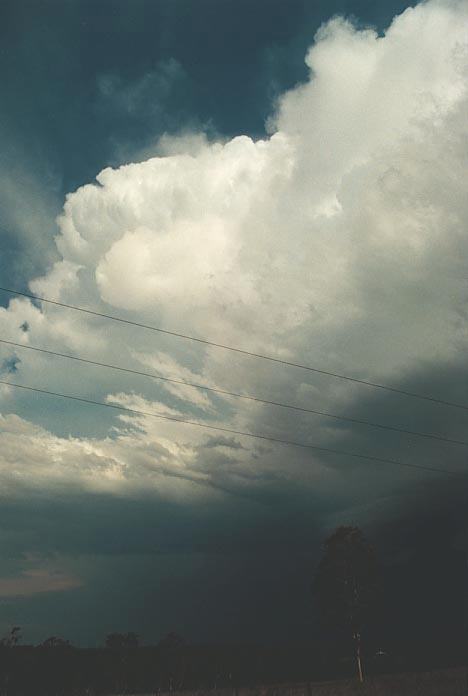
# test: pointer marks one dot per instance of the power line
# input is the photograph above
(231, 431)
(241, 351)
(327, 414)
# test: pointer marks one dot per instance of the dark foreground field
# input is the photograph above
(448, 682)
(294, 670)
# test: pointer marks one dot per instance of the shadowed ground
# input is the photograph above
(448, 682)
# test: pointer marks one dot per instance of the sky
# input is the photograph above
(287, 178)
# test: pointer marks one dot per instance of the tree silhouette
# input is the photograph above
(55, 642)
(346, 585)
(12, 639)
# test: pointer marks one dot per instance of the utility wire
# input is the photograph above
(151, 375)
(231, 431)
(233, 349)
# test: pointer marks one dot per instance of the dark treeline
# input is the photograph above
(62, 670)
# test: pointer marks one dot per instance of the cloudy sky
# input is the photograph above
(288, 178)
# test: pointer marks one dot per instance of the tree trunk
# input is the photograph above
(357, 651)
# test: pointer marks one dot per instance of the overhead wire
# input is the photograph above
(240, 351)
(216, 390)
(232, 431)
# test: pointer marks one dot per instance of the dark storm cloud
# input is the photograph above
(444, 381)
(100, 82)
(161, 563)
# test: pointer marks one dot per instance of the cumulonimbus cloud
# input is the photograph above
(339, 240)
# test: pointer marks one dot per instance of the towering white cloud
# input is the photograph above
(340, 240)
